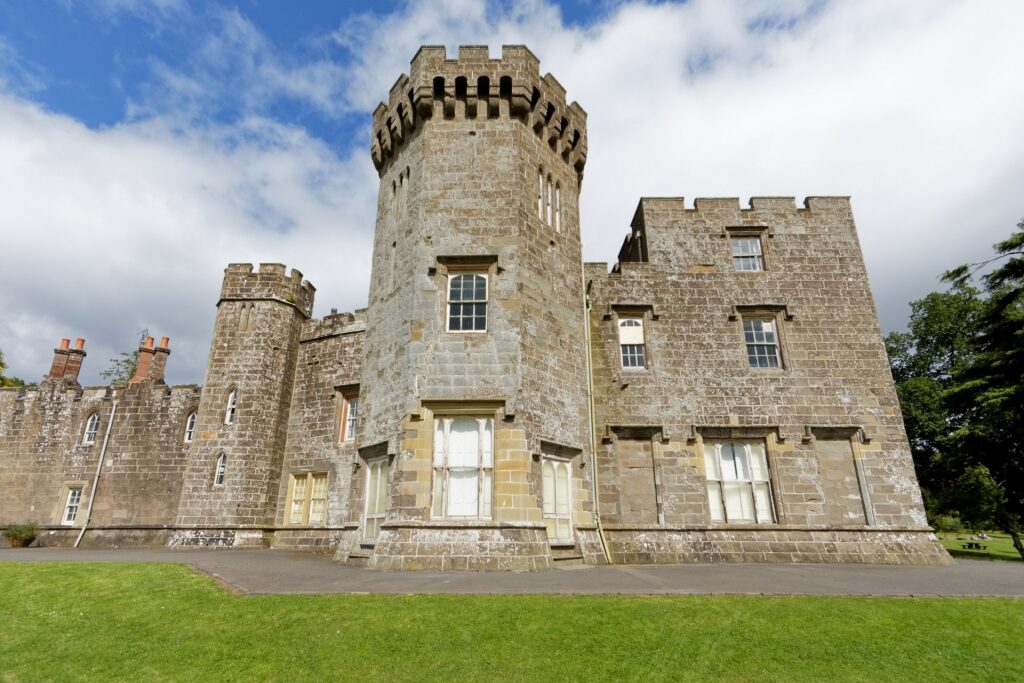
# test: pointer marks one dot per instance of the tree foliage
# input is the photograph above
(8, 381)
(122, 368)
(960, 377)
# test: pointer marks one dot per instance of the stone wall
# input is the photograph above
(42, 439)
(329, 363)
(253, 355)
(828, 417)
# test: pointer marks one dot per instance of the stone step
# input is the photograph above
(358, 559)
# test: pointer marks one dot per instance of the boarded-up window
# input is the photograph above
(637, 498)
(843, 504)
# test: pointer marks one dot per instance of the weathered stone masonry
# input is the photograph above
(397, 438)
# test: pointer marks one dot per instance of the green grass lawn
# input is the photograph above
(162, 622)
(1000, 547)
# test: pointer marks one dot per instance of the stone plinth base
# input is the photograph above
(450, 546)
(668, 545)
(220, 538)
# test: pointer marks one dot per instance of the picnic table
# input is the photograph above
(974, 545)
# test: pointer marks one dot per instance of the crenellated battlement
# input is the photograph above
(755, 204)
(269, 281)
(475, 86)
(334, 324)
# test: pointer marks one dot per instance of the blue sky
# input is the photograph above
(145, 145)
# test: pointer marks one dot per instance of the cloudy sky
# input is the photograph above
(145, 145)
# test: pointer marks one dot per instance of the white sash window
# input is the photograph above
(463, 467)
(739, 488)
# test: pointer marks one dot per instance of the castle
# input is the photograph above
(720, 394)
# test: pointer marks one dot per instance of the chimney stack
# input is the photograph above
(67, 361)
(160, 353)
(60, 360)
(143, 362)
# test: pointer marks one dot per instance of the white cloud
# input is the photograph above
(107, 232)
(236, 66)
(912, 108)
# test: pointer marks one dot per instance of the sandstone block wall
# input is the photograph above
(254, 350)
(829, 417)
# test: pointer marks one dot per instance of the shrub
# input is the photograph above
(21, 532)
(948, 523)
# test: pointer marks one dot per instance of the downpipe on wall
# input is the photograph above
(593, 422)
(96, 477)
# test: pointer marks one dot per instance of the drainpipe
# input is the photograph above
(96, 477)
(593, 421)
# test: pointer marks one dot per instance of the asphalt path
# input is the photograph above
(280, 572)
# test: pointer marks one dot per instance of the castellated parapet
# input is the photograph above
(475, 86)
(720, 394)
(270, 282)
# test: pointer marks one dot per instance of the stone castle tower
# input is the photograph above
(243, 414)
(720, 393)
(480, 162)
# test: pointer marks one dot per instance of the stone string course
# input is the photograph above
(458, 146)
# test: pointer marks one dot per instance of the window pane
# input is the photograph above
(562, 489)
(711, 461)
(715, 502)
(758, 462)
(633, 356)
(549, 488)
(463, 486)
(563, 531)
(438, 493)
(464, 442)
(438, 443)
(763, 503)
(382, 489)
(739, 506)
(487, 443)
(485, 492)
(298, 499)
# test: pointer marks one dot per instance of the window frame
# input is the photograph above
(554, 516)
(457, 273)
(191, 421)
(382, 465)
(759, 256)
(718, 482)
(762, 318)
(348, 424)
(231, 407)
(621, 322)
(220, 469)
(441, 469)
(309, 481)
(91, 429)
(69, 491)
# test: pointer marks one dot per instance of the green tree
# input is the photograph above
(8, 381)
(988, 393)
(122, 368)
(939, 343)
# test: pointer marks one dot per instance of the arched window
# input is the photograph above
(220, 470)
(243, 318)
(550, 197)
(540, 194)
(557, 510)
(92, 427)
(190, 427)
(231, 408)
(251, 322)
(558, 208)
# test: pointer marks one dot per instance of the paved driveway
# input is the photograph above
(280, 571)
